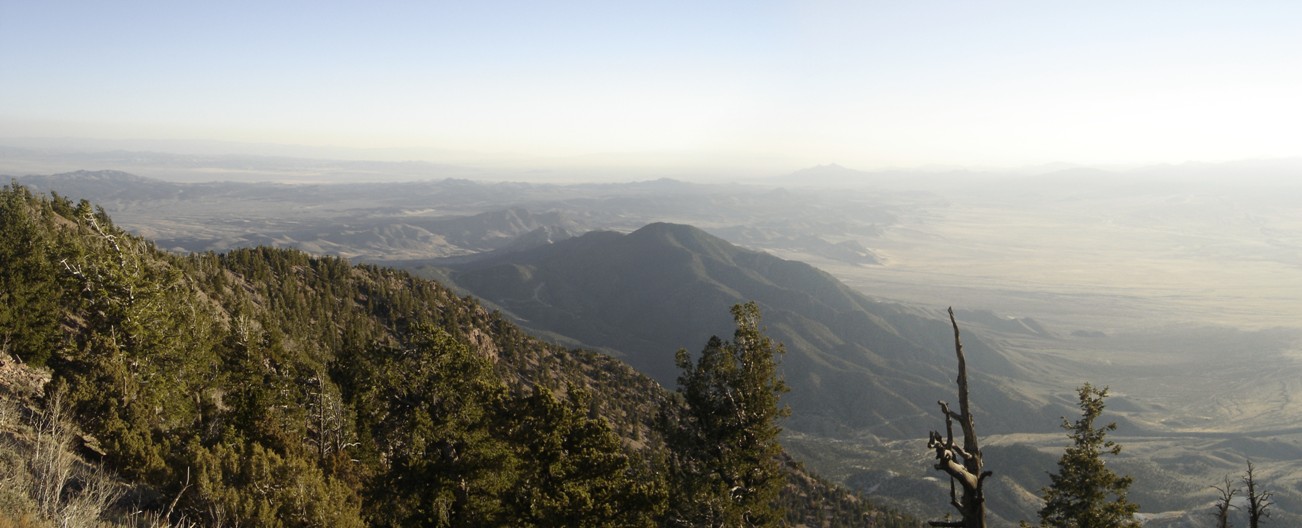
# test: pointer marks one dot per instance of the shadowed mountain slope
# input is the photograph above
(854, 364)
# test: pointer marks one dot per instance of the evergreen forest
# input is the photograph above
(269, 387)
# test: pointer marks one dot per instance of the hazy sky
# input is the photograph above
(864, 84)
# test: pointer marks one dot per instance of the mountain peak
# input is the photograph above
(651, 292)
(826, 168)
(684, 236)
(667, 228)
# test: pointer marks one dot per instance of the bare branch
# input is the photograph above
(1224, 503)
(962, 464)
(1258, 500)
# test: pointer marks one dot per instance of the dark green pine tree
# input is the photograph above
(574, 471)
(427, 406)
(29, 296)
(1085, 493)
(724, 448)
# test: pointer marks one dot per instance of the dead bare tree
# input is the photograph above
(326, 420)
(962, 463)
(1223, 502)
(1258, 500)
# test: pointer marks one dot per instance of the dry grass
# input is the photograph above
(23, 521)
(45, 483)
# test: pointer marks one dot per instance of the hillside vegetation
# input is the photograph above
(268, 387)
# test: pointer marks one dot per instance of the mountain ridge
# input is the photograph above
(854, 364)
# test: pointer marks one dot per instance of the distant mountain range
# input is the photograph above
(855, 365)
(417, 220)
(405, 223)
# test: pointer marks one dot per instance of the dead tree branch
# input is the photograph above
(963, 463)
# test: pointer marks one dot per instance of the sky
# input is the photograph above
(753, 84)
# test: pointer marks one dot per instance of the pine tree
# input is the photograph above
(427, 405)
(29, 297)
(574, 471)
(142, 346)
(725, 448)
(1078, 495)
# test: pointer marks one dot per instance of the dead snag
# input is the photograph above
(962, 463)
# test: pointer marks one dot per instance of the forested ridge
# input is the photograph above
(268, 387)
